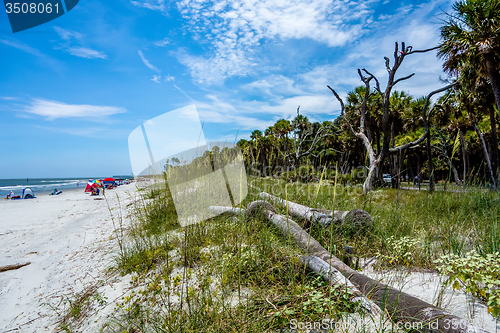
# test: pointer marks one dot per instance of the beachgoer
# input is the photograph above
(55, 191)
(10, 195)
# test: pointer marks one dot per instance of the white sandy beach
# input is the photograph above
(69, 240)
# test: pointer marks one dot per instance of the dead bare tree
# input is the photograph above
(376, 159)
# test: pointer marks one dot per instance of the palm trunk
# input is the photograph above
(485, 151)
(429, 160)
(494, 142)
(455, 171)
(493, 75)
(464, 152)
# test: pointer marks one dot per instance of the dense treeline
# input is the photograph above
(385, 131)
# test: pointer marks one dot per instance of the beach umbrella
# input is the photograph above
(98, 182)
(109, 179)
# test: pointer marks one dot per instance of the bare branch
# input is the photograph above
(423, 51)
(426, 120)
(402, 79)
(387, 64)
(339, 99)
(365, 101)
(377, 85)
(342, 111)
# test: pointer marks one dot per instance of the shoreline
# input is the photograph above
(64, 190)
(68, 240)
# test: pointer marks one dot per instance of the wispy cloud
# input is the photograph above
(150, 4)
(47, 60)
(236, 28)
(156, 78)
(53, 110)
(67, 34)
(162, 43)
(72, 43)
(147, 63)
(84, 52)
(90, 132)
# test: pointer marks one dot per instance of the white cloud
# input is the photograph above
(84, 52)
(276, 92)
(236, 27)
(156, 78)
(150, 4)
(169, 78)
(147, 63)
(68, 34)
(72, 43)
(54, 110)
(162, 43)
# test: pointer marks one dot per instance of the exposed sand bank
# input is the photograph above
(69, 240)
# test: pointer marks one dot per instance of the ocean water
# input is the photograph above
(42, 185)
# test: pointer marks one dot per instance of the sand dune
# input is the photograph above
(69, 240)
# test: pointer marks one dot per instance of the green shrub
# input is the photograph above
(479, 275)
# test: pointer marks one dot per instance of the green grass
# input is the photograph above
(445, 222)
(229, 274)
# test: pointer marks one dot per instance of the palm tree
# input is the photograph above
(471, 36)
(281, 129)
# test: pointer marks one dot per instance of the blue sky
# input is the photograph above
(73, 89)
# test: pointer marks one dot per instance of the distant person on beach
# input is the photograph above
(10, 195)
(55, 191)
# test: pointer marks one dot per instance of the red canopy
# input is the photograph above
(109, 180)
(89, 187)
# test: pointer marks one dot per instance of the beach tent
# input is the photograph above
(90, 185)
(28, 193)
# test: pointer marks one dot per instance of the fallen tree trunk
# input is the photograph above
(356, 219)
(401, 306)
(332, 275)
(11, 267)
(231, 210)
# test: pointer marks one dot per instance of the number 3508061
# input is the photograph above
(31, 8)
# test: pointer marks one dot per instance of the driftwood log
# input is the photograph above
(401, 306)
(11, 267)
(332, 275)
(355, 220)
